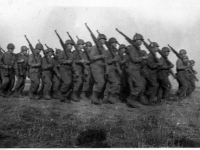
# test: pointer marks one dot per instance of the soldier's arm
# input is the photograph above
(164, 65)
(31, 62)
(133, 56)
(180, 65)
(151, 63)
(93, 55)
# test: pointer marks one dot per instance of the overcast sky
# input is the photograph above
(164, 21)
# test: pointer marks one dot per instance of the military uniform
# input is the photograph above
(163, 80)
(65, 73)
(7, 61)
(181, 78)
(21, 68)
(35, 73)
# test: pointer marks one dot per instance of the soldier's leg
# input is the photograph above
(136, 86)
(4, 84)
(11, 83)
(35, 82)
(86, 85)
(164, 89)
(183, 85)
(47, 77)
(18, 86)
(99, 82)
(114, 87)
(152, 86)
(56, 87)
(66, 76)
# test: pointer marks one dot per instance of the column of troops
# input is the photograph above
(101, 73)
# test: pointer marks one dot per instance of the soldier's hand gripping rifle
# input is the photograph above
(62, 44)
(32, 49)
(113, 57)
(98, 47)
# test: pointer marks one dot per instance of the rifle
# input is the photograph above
(62, 44)
(32, 49)
(1, 49)
(98, 47)
(45, 56)
(75, 46)
(151, 51)
(175, 52)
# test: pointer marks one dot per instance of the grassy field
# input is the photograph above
(51, 124)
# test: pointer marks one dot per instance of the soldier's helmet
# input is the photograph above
(24, 48)
(143, 52)
(58, 51)
(50, 50)
(69, 42)
(80, 42)
(39, 46)
(10, 46)
(112, 40)
(101, 36)
(122, 46)
(88, 44)
(154, 44)
(137, 37)
(182, 51)
(192, 61)
(165, 49)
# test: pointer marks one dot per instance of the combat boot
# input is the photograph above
(32, 96)
(132, 102)
(95, 99)
(55, 95)
(2, 93)
(74, 97)
(112, 99)
(144, 100)
(84, 97)
(47, 96)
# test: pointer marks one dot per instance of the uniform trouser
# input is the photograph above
(136, 82)
(87, 79)
(47, 80)
(56, 83)
(66, 76)
(164, 87)
(77, 79)
(20, 84)
(183, 83)
(35, 81)
(113, 82)
(8, 80)
(152, 84)
(191, 85)
(98, 76)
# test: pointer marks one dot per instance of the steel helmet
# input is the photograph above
(39, 46)
(11, 46)
(80, 42)
(88, 44)
(69, 42)
(101, 36)
(112, 40)
(137, 37)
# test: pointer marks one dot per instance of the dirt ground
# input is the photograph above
(45, 124)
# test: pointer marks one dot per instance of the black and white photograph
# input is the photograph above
(99, 74)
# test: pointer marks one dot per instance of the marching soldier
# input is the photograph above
(163, 74)
(98, 69)
(21, 68)
(65, 60)
(78, 68)
(112, 90)
(56, 83)
(7, 61)
(87, 72)
(133, 68)
(181, 67)
(48, 68)
(35, 70)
